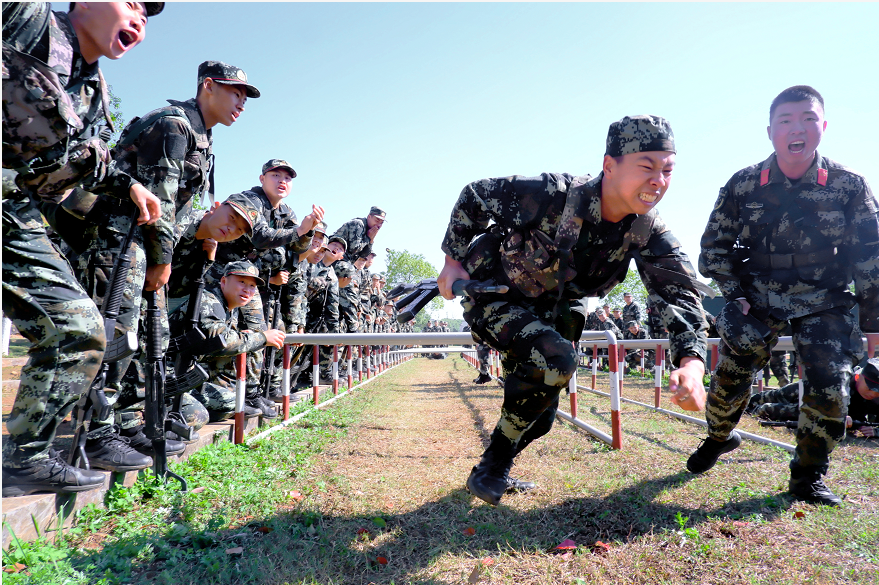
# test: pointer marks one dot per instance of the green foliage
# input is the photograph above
(406, 267)
(632, 284)
(116, 115)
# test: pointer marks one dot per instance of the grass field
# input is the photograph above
(371, 490)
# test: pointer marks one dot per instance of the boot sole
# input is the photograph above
(15, 491)
(729, 448)
(485, 497)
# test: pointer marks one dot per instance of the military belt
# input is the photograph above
(788, 261)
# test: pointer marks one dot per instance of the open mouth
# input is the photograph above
(647, 197)
(796, 147)
(127, 38)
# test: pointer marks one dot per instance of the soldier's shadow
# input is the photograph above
(438, 525)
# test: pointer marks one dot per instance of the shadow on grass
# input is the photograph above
(305, 546)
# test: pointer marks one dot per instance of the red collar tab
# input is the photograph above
(764, 177)
(822, 177)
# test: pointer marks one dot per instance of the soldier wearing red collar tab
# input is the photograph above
(784, 241)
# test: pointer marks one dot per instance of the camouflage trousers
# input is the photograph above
(252, 317)
(778, 403)
(538, 362)
(828, 344)
(633, 359)
(50, 308)
(483, 355)
(218, 397)
(778, 367)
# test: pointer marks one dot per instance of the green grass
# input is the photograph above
(379, 475)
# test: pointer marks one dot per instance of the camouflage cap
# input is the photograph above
(376, 277)
(639, 134)
(321, 228)
(377, 211)
(277, 163)
(226, 74)
(243, 268)
(743, 334)
(871, 374)
(339, 240)
(344, 269)
(246, 211)
(599, 311)
(631, 324)
(154, 8)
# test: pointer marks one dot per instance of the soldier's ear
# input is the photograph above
(608, 164)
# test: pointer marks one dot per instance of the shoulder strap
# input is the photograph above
(142, 124)
(674, 276)
(567, 235)
(24, 24)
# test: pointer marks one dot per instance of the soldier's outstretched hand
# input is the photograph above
(686, 384)
(313, 218)
(148, 204)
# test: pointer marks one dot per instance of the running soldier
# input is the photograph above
(591, 229)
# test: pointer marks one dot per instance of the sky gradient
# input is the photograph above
(401, 105)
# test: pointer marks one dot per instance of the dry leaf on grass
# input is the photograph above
(469, 531)
(799, 514)
(474, 574)
(14, 568)
(235, 551)
(567, 544)
(198, 490)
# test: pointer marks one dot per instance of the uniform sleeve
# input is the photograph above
(331, 308)
(862, 251)
(679, 305)
(213, 323)
(266, 237)
(510, 202)
(160, 164)
(717, 259)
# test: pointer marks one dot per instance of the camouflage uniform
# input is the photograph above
(631, 312)
(533, 334)
(274, 234)
(216, 319)
(633, 356)
(804, 241)
(355, 234)
(349, 298)
(784, 403)
(50, 144)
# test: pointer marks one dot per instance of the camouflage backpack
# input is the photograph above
(49, 158)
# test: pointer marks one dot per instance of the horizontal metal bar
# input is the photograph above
(585, 426)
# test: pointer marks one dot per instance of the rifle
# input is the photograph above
(155, 413)
(185, 350)
(93, 403)
(268, 368)
(425, 291)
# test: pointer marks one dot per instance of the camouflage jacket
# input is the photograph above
(216, 319)
(294, 303)
(54, 105)
(349, 305)
(323, 299)
(172, 157)
(189, 258)
(642, 334)
(354, 233)
(631, 312)
(772, 242)
(609, 325)
(274, 236)
(601, 255)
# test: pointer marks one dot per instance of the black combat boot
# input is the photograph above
(488, 479)
(140, 443)
(806, 485)
(49, 475)
(265, 407)
(482, 379)
(114, 453)
(710, 451)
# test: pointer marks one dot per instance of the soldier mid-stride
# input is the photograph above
(54, 105)
(593, 228)
(784, 241)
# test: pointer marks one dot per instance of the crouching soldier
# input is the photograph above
(633, 356)
(219, 316)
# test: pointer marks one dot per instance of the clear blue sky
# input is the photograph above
(401, 105)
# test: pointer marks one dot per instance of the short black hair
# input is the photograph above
(797, 93)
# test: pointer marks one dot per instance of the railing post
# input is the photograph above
(315, 373)
(359, 363)
(368, 348)
(658, 366)
(285, 382)
(349, 351)
(595, 367)
(616, 425)
(572, 386)
(240, 389)
(335, 369)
